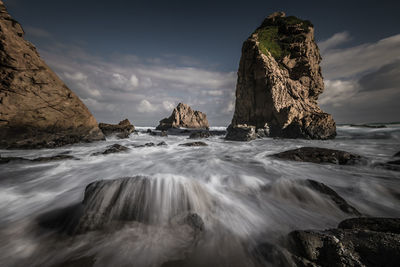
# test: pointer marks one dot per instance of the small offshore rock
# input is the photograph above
(241, 133)
(194, 144)
(319, 155)
(162, 144)
(184, 116)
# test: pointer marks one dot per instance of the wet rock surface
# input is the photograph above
(184, 116)
(36, 108)
(362, 245)
(362, 242)
(241, 133)
(194, 144)
(280, 79)
(115, 148)
(123, 129)
(319, 155)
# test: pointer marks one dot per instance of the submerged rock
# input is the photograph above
(36, 108)
(241, 133)
(4, 160)
(319, 155)
(358, 242)
(108, 204)
(298, 193)
(115, 148)
(280, 79)
(194, 144)
(184, 116)
(199, 134)
(123, 129)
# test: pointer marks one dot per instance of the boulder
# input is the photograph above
(36, 108)
(241, 133)
(194, 144)
(279, 81)
(358, 242)
(123, 129)
(319, 155)
(184, 116)
(108, 204)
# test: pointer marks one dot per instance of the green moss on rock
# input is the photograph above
(275, 35)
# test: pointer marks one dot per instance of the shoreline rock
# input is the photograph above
(184, 116)
(319, 155)
(279, 81)
(123, 129)
(37, 109)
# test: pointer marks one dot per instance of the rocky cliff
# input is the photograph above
(184, 116)
(36, 107)
(279, 81)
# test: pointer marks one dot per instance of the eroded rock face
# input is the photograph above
(36, 107)
(123, 129)
(319, 155)
(184, 116)
(279, 81)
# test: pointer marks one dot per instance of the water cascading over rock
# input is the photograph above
(279, 81)
(36, 108)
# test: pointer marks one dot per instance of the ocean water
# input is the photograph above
(243, 196)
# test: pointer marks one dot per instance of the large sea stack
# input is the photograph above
(36, 108)
(279, 81)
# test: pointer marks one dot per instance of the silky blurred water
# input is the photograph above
(226, 180)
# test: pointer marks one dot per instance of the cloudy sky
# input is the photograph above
(138, 59)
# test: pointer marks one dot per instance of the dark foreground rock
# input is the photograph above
(108, 204)
(123, 129)
(36, 108)
(319, 155)
(361, 242)
(241, 133)
(4, 160)
(368, 242)
(184, 116)
(116, 148)
(280, 79)
(194, 144)
(396, 155)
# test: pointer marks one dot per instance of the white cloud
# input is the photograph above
(134, 80)
(353, 61)
(337, 91)
(168, 105)
(76, 76)
(334, 41)
(146, 106)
